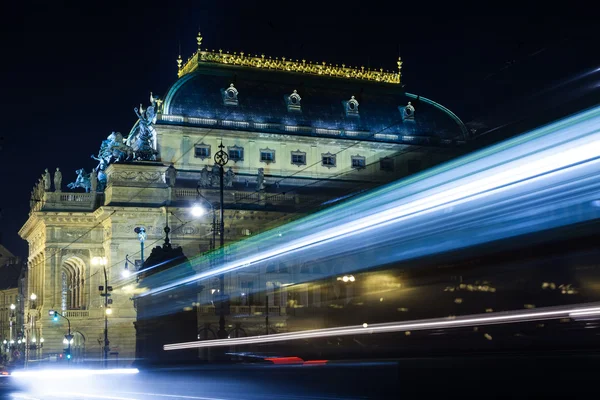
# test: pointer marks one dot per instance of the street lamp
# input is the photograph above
(33, 297)
(12, 306)
(221, 158)
(104, 292)
(142, 235)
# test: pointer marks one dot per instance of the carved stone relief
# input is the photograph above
(138, 176)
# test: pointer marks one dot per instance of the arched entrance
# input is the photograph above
(78, 347)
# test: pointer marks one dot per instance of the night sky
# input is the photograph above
(72, 73)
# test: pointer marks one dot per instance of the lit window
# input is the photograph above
(236, 153)
(298, 157)
(202, 151)
(267, 155)
(386, 164)
(328, 160)
(358, 162)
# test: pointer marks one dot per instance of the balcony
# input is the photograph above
(77, 313)
(66, 201)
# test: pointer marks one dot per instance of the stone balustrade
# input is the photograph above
(66, 201)
(188, 194)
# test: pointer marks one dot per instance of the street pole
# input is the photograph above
(106, 342)
(222, 332)
(221, 158)
(267, 312)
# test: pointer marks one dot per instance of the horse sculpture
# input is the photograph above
(82, 181)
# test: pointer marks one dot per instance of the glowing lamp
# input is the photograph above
(198, 210)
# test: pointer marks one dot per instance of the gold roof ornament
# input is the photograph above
(285, 64)
(199, 40)
(179, 62)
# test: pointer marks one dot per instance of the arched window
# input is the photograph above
(72, 285)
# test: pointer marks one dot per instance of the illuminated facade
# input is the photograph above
(298, 135)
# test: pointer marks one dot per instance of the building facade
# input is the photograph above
(11, 305)
(297, 136)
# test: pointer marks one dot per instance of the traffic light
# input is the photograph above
(54, 315)
(67, 353)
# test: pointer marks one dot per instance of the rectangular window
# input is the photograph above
(328, 160)
(202, 151)
(358, 162)
(236, 154)
(298, 158)
(386, 164)
(267, 156)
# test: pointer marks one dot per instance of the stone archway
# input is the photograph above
(72, 284)
(78, 347)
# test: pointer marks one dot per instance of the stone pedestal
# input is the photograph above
(140, 183)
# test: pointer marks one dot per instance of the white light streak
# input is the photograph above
(417, 325)
(72, 372)
(175, 396)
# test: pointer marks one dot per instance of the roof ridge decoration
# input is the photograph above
(284, 64)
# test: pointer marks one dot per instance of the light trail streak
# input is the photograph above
(175, 396)
(567, 144)
(549, 313)
(72, 372)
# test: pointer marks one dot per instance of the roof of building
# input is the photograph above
(5, 255)
(260, 101)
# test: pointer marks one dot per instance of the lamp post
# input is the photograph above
(12, 317)
(142, 235)
(104, 292)
(221, 158)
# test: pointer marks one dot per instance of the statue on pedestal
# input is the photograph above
(58, 180)
(83, 181)
(204, 178)
(93, 181)
(172, 175)
(260, 180)
(228, 178)
(216, 175)
(143, 137)
(47, 180)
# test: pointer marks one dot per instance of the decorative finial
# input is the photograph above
(199, 40)
(179, 62)
(399, 62)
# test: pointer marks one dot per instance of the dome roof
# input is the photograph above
(260, 100)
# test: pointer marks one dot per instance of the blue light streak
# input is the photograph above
(541, 180)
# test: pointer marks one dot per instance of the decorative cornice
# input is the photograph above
(287, 65)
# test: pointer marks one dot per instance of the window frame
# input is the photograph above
(358, 158)
(298, 153)
(328, 156)
(267, 151)
(235, 148)
(202, 146)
